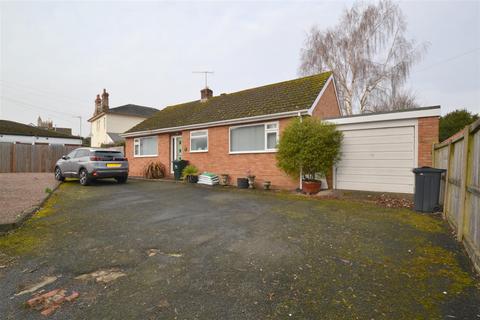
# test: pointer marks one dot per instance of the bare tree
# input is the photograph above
(369, 55)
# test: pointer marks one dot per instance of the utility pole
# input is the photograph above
(80, 120)
(206, 76)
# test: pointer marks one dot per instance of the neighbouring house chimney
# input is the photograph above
(98, 105)
(105, 101)
(206, 94)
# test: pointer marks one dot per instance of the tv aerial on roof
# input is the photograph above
(206, 73)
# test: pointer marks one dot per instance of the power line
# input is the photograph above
(448, 59)
(35, 107)
(17, 86)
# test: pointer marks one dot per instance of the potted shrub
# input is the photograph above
(224, 179)
(309, 147)
(251, 179)
(266, 185)
(190, 174)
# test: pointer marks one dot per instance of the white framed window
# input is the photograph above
(145, 147)
(199, 141)
(254, 138)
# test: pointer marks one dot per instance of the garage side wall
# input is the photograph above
(427, 136)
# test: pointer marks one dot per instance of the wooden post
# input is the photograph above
(463, 184)
(13, 165)
(447, 178)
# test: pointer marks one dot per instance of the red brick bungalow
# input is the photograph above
(231, 133)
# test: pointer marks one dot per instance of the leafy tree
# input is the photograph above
(369, 55)
(309, 144)
(455, 121)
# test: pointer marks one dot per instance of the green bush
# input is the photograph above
(189, 170)
(455, 121)
(310, 144)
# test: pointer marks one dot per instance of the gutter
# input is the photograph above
(272, 116)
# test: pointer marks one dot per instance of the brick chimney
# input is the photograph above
(98, 105)
(206, 94)
(105, 101)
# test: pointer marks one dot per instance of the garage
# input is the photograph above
(379, 151)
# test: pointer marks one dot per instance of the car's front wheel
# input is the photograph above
(122, 179)
(83, 175)
(58, 174)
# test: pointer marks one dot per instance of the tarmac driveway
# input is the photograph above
(149, 250)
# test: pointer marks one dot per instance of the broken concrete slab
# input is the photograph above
(104, 276)
(34, 287)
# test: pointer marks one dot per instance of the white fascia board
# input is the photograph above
(272, 116)
(414, 114)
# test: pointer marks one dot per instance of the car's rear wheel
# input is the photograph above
(83, 175)
(122, 179)
(58, 174)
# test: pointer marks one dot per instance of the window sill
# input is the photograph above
(146, 156)
(198, 151)
(248, 152)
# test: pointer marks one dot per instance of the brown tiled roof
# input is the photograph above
(293, 95)
(16, 128)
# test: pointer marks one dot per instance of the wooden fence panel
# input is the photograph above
(23, 157)
(461, 157)
(472, 221)
(441, 161)
(31, 158)
(5, 156)
(453, 204)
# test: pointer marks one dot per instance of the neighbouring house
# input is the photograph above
(107, 123)
(48, 125)
(16, 132)
(238, 132)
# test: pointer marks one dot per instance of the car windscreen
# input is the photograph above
(107, 155)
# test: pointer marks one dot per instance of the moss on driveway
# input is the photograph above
(196, 252)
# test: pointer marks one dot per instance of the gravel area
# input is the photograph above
(20, 193)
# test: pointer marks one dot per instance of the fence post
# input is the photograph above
(13, 164)
(463, 184)
(446, 198)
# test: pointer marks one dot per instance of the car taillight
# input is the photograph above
(96, 159)
(120, 159)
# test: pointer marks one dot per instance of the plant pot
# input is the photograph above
(251, 182)
(192, 178)
(311, 187)
(242, 183)
(266, 185)
(224, 179)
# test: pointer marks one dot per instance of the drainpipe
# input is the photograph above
(301, 171)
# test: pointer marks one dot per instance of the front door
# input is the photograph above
(176, 153)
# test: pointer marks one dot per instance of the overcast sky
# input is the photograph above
(55, 57)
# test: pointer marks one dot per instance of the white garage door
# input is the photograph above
(378, 159)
